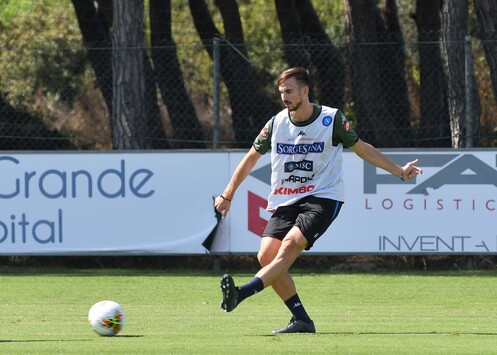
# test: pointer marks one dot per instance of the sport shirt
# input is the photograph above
(306, 157)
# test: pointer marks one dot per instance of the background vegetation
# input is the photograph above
(45, 72)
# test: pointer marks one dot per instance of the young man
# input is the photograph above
(307, 189)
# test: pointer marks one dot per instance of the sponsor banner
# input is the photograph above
(450, 209)
(108, 203)
(139, 203)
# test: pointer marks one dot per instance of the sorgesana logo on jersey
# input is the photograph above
(291, 149)
(304, 165)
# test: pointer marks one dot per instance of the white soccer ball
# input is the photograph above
(106, 318)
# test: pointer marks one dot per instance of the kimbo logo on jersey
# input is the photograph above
(304, 165)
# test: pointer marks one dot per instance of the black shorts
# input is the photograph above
(312, 215)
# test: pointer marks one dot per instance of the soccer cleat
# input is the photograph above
(296, 326)
(230, 293)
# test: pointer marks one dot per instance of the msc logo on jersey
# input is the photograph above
(304, 165)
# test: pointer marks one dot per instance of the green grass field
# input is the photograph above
(177, 312)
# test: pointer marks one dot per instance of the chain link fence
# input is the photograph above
(54, 96)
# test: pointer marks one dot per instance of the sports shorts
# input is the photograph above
(312, 215)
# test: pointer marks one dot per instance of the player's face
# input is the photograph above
(291, 94)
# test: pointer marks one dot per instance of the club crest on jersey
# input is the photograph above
(346, 125)
(327, 121)
(263, 133)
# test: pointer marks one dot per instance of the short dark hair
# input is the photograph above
(300, 74)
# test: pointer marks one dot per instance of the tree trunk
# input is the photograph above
(307, 45)
(187, 132)
(392, 69)
(379, 89)
(369, 103)
(154, 131)
(296, 54)
(236, 71)
(434, 122)
(329, 69)
(95, 30)
(486, 11)
(128, 81)
(455, 17)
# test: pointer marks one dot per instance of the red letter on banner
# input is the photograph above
(256, 224)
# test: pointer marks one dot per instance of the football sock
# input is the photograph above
(250, 288)
(295, 306)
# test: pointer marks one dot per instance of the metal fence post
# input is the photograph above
(216, 74)
(468, 91)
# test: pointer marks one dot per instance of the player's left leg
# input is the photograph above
(278, 257)
(233, 296)
(276, 274)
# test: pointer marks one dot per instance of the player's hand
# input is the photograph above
(410, 170)
(222, 205)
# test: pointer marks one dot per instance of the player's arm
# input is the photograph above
(223, 202)
(372, 155)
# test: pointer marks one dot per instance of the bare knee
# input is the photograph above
(294, 243)
(264, 257)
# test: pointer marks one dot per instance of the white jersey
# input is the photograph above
(304, 160)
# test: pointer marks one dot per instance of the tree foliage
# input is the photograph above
(42, 56)
(46, 69)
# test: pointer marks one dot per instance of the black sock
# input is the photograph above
(295, 306)
(250, 288)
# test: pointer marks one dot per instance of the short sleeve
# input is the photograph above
(342, 132)
(262, 143)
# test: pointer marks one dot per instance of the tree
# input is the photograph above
(486, 11)
(243, 90)
(295, 52)
(98, 28)
(128, 80)
(329, 69)
(380, 121)
(455, 18)
(95, 24)
(187, 130)
(434, 124)
(307, 45)
(392, 66)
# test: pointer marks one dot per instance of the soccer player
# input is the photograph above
(305, 141)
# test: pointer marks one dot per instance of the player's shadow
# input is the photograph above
(394, 333)
(409, 333)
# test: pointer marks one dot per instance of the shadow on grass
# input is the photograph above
(64, 340)
(387, 333)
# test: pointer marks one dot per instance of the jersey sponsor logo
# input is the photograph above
(327, 120)
(304, 165)
(291, 149)
(295, 178)
(296, 191)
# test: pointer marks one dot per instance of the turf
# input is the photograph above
(177, 312)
